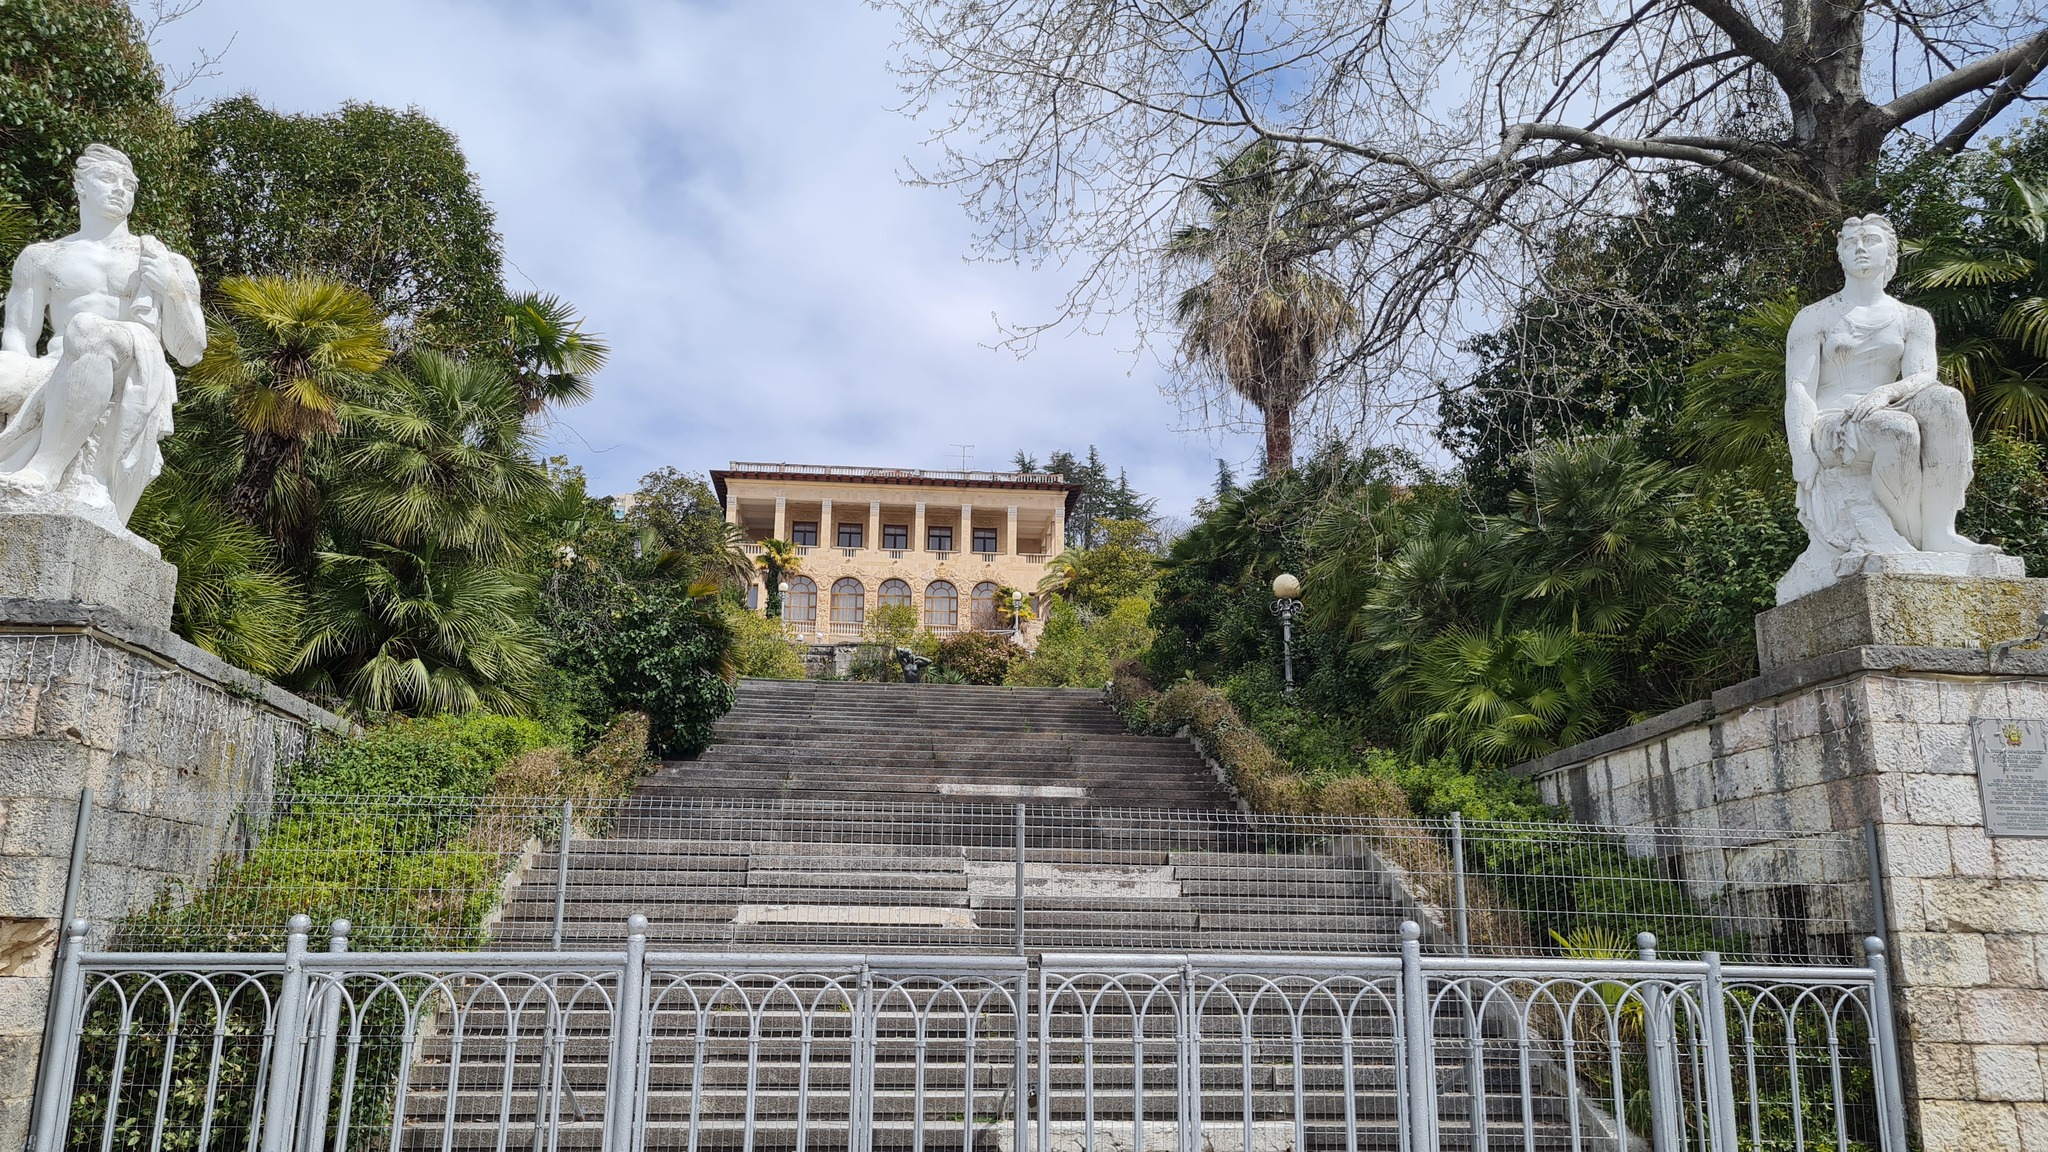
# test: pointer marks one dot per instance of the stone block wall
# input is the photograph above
(1880, 736)
(170, 739)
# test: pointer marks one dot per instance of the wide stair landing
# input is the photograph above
(881, 819)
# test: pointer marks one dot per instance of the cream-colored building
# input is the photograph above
(941, 542)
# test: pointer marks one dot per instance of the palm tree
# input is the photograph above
(440, 456)
(729, 562)
(232, 600)
(409, 630)
(284, 355)
(778, 559)
(2001, 283)
(552, 357)
(1263, 315)
(1501, 697)
(1596, 540)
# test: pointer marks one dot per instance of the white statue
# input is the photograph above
(1881, 449)
(85, 418)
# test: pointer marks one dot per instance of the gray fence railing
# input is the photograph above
(967, 874)
(634, 1049)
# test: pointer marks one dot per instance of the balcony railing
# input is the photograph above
(899, 473)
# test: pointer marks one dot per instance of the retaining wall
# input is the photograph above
(149, 723)
(1878, 736)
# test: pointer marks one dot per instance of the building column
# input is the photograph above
(782, 518)
(1058, 543)
(828, 529)
(917, 538)
(963, 542)
(874, 537)
(1011, 542)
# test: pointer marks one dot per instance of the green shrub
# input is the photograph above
(1076, 650)
(373, 834)
(759, 648)
(980, 657)
(667, 654)
(443, 756)
(2008, 500)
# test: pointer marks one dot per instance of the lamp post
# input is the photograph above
(1017, 614)
(1286, 603)
(782, 602)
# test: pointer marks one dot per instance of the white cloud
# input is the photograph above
(715, 186)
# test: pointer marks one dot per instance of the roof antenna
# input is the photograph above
(964, 450)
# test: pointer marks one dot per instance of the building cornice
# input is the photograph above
(895, 477)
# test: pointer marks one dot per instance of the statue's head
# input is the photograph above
(105, 182)
(1868, 246)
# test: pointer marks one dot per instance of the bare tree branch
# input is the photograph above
(1461, 138)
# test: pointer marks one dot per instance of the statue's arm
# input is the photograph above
(28, 297)
(1802, 392)
(1920, 367)
(184, 321)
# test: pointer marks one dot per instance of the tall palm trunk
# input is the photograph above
(1279, 438)
(264, 455)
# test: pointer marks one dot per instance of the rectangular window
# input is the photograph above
(984, 539)
(849, 535)
(938, 539)
(804, 533)
(896, 537)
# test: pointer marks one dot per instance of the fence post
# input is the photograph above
(860, 1087)
(1720, 1070)
(562, 872)
(1890, 1082)
(1418, 1041)
(1659, 1057)
(1458, 880)
(319, 1085)
(60, 1044)
(1873, 864)
(1475, 1055)
(288, 1035)
(1020, 1062)
(622, 1088)
(73, 880)
(1187, 1080)
(1020, 879)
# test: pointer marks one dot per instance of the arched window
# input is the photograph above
(941, 605)
(800, 605)
(895, 594)
(849, 603)
(983, 612)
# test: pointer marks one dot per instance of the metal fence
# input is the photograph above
(636, 1048)
(968, 875)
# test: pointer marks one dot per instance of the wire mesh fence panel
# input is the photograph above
(631, 1050)
(765, 875)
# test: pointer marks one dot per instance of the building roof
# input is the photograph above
(909, 477)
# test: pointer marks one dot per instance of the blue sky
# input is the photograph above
(716, 186)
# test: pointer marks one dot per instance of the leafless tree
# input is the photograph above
(156, 15)
(1464, 134)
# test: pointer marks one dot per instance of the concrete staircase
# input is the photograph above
(883, 819)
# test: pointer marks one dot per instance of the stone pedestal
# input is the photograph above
(1902, 610)
(58, 558)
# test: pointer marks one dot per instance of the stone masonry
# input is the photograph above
(162, 732)
(1878, 735)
